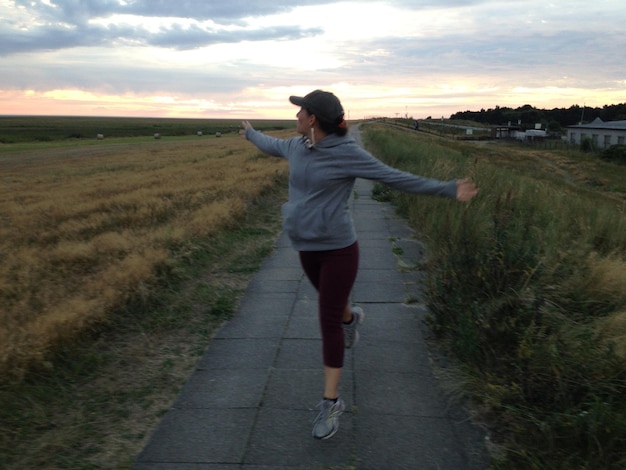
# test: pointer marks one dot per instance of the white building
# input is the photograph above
(602, 134)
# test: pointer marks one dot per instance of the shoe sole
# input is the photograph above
(328, 436)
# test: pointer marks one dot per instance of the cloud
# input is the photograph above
(80, 11)
(67, 24)
(385, 53)
(185, 24)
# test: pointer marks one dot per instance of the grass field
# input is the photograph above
(122, 256)
(119, 260)
(32, 129)
(86, 230)
(527, 289)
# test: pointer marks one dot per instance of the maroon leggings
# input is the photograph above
(332, 273)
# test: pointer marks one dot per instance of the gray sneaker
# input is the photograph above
(327, 422)
(350, 333)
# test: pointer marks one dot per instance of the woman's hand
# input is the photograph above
(465, 190)
(246, 125)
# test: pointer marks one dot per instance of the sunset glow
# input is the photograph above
(196, 59)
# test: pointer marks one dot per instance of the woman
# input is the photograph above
(323, 165)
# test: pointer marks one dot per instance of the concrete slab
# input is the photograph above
(214, 389)
(249, 353)
(283, 437)
(201, 436)
(406, 443)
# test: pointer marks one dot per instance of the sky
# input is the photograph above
(235, 59)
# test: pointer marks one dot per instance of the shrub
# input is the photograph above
(586, 145)
(615, 154)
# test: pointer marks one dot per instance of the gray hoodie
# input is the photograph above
(317, 215)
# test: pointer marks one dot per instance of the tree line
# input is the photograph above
(553, 119)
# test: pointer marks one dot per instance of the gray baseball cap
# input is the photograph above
(323, 104)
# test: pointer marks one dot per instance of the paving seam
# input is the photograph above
(269, 376)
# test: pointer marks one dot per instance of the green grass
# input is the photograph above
(48, 129)
(522, 283)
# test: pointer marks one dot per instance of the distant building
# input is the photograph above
(532, 135)
(516, 133)
(602, 134)
(504, 132)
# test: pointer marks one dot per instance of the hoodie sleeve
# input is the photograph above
(271, 145)
(369, 167)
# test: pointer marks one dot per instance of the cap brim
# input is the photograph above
(297, 100)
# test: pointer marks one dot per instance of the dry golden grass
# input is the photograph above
(612, 329)
(85, 229)
(607, 278)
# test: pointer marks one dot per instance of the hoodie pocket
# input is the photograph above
(302, 222)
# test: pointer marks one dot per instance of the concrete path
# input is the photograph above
(250, 403)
